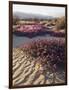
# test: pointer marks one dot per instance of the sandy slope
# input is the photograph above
(27, 72)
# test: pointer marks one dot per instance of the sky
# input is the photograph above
(42, 10)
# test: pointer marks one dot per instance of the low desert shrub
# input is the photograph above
(51, 51)
(60, 23)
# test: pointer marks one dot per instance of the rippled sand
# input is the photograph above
(27, 72)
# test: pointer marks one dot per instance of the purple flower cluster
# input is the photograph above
(47, 51)
(30, 28)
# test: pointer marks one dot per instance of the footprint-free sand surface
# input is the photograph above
(28, 72)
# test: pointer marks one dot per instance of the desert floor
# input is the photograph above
(28, 72)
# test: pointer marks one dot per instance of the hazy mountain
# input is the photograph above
(21, 15)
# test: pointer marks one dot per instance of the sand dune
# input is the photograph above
(27, 72)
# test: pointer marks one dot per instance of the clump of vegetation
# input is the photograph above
(15, 20)
(60, 23)
(51, 51)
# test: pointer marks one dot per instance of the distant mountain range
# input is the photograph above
(22, 15)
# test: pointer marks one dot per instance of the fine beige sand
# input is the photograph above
(27, 72)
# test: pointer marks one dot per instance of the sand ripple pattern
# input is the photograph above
(25, 73)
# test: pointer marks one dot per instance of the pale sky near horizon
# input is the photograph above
(43, 10)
